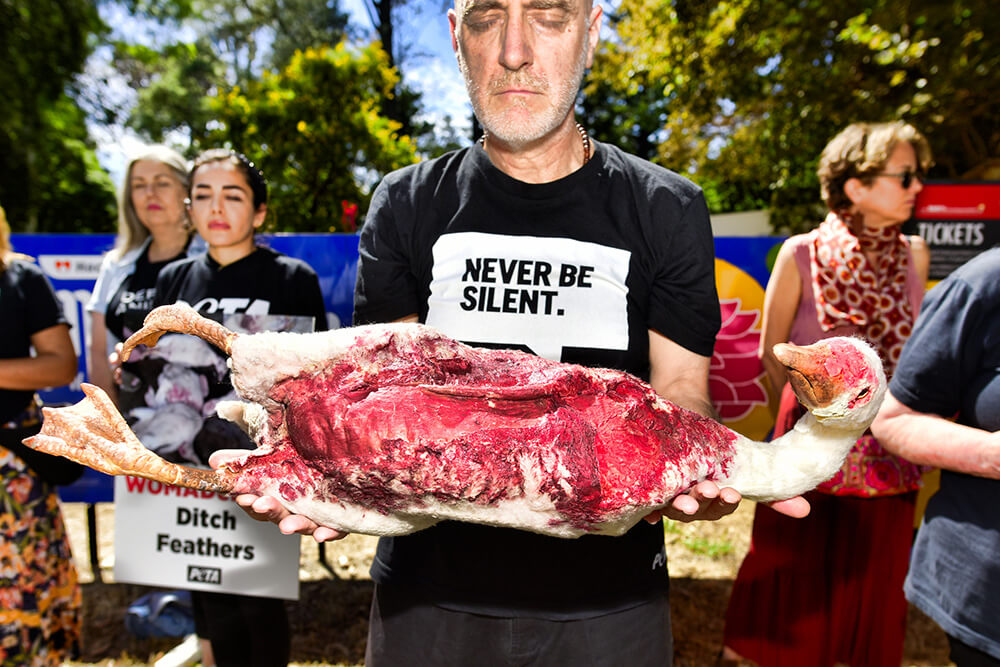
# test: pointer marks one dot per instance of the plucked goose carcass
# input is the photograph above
(388, 429)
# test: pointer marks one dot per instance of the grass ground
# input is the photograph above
(330, 619)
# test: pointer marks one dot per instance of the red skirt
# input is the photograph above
(827, 588)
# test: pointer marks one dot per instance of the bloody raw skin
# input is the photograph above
(487, 426)
(389, 429)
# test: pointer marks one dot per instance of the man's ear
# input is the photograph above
(593, 32)
(453, 29)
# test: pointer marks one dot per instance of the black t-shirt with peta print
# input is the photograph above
(265, 282)
(128, 307)
(181, 380)
(578, 270)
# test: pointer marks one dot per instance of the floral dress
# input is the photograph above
(39, 595)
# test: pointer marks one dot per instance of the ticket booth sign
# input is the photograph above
(958, 221)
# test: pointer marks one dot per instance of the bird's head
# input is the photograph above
(839, 380)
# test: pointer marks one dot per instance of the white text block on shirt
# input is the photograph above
(541, 292)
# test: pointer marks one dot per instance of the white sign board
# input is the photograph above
(197, 540)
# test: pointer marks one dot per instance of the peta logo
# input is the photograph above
(204, 575)
(661, 559)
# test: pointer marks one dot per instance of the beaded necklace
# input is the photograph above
(584, 139)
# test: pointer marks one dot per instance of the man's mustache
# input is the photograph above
(521, 80)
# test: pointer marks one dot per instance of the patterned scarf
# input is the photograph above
(848, 290)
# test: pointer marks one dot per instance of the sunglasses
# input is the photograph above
(906, 178)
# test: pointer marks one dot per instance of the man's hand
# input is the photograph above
(797, 507)
(707, 502)
(267, 508)
(704, 502)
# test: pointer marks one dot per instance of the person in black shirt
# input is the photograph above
(247, 287)
(539, 238)
(943, 410)
(38, 585)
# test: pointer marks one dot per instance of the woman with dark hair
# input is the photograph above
(247, 287)
(828, 589)
(39, 596)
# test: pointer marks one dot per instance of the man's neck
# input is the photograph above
(550, 158)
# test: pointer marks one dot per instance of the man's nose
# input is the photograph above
(516, 51)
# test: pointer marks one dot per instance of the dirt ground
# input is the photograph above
(329, 621)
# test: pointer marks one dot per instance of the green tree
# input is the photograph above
(302, 24)
(630, 116)
(174, 81)
(49, 177)
(239, 30)
(172, 85)
(752, 91)
(402, 103)
(316, 131)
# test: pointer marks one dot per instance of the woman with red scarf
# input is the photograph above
(828, 589)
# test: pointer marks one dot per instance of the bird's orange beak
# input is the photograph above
(808, 373)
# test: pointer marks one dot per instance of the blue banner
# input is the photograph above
(72, 262)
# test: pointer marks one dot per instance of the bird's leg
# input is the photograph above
(93, 433)
(179, 318)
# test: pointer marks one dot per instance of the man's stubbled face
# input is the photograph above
(523, 62)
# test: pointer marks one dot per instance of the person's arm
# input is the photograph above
(53, 365)
(932, 440)
(921, 254)
(781, 302)
(97, 356)
(681, 377)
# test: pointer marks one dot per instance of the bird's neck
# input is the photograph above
(791, 464)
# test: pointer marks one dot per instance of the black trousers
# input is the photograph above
(245, 631)
(405, 630)
(964, 655)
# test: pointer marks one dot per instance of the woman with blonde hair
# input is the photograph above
(39, 596)
(828, 589)
(153, 231)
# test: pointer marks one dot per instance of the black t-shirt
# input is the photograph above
(576, 270)
(186, 377)
(28, 305)
(951, 367)
(128, 306)
(264, 282)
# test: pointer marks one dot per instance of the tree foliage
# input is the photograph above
(173, 86)
(744, 94)
(175, 81)
(316, 131)
(49, 177)
(312, 109)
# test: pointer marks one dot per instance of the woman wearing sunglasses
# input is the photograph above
(828, 589)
